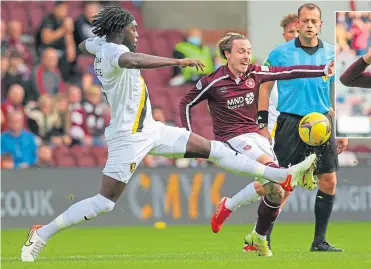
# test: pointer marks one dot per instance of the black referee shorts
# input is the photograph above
(290, 149)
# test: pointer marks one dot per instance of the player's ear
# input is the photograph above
(227, 54)
(296, 21)
(123, 32)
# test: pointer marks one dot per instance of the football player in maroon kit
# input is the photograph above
(232, 92)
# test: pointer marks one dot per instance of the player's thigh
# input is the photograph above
(252, 145)
(328, 161)
(170, 141)
(288, 146)
(125, 154)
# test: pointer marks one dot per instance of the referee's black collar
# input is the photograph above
(299, 45)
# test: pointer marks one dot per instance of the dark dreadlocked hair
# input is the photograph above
(111, 19)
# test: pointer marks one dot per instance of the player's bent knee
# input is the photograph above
(327, 182)
(259, 188)
(197, 147)
(265, 158)
(274, 192)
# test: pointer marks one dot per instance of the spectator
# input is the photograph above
(192, 47)
(46, 78)
(74, 96)
(14, 41)
(89, 79)
(56, 31)
(44, 155)
(95, 115)
(61, 104)
(17, 73)
(12, 103)
(361, 32)
(61, 135)
(4, 41)
(78, 128)
(4, 69)
(83, 29)
(43, 120)
(18, 142)
(7, 161)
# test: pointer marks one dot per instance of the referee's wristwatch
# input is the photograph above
(263, 125)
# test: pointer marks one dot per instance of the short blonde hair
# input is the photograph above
(290, 18)
(225, 44)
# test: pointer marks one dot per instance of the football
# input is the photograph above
(315, 129)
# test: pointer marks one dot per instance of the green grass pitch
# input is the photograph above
(191, 247)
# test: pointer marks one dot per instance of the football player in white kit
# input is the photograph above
(132, 132)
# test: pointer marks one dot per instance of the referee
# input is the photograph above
(298, 97)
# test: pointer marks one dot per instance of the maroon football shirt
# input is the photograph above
(233, 101)
(355, 76)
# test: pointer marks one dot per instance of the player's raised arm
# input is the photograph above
(192, 98)
(132, 60)
(271, 73)
(355, 76)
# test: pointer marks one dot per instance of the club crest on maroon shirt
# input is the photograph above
(250, 83)
(247, 147)
(223, 89)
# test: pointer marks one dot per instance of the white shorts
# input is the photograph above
(252, 145)
(125, 153)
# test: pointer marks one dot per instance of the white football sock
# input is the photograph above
(78, 212)
(241, 164)
(244, 197)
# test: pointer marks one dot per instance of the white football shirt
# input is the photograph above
(273, 113)
(124, 89)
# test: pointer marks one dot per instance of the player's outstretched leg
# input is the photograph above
(217, 152)
(81, 211)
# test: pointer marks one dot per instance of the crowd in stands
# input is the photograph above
(353, 105)
(53, 113)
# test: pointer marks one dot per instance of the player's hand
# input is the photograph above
(264, 132)
(68, 25)
(330, 69)
(342, 144)
(191, 63)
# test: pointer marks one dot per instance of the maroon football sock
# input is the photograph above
(267, 213)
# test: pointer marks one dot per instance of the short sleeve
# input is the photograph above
(91, 44)
(118, 50)
(272, 59)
